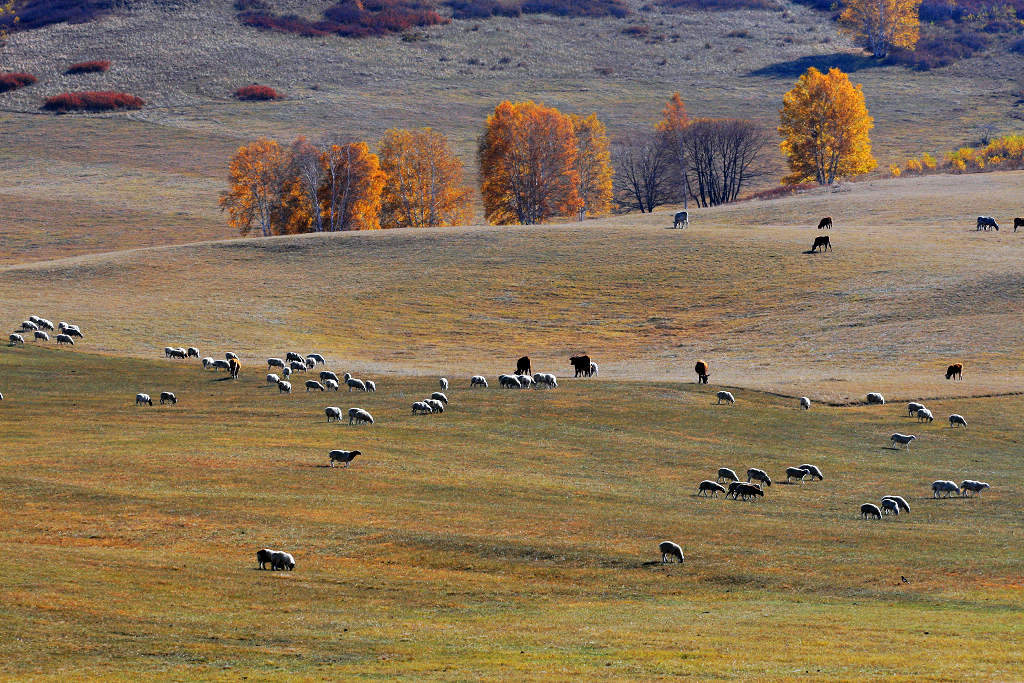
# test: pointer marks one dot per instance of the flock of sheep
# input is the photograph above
(41, 328)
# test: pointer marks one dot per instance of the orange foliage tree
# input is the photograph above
(673, 128)
(352, 187)
(527, 158)
(593, 166)
(423, 181)
(882, 24)
(258, 173)
(824, 124)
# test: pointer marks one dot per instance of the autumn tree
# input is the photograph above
(527, 157)
(722, 155)
(593, 166)
(882, 24)
(353, 182)
(257, 174)
(6, 10)
(824, 124)
(644, 177)
(307, 180)
(423, 181)
(673, 128)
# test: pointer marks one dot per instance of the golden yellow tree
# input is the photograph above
(6, 10)
(882, 24)
(257, 174)
(824, 124)
(423, 181)
(351, 192)
(673, 129)
(527, 158)
(593, 166)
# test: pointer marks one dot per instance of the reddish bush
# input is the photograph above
(257, 92)
(14, 80)
(97, 66)
(92, 101)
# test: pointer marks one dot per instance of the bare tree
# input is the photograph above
(721, 154)
(643, 172)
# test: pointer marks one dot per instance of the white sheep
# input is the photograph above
(284, 387)
(813, 472)
(64, 339)
(192, 352)
(41, 335)
(207, 363)
(292, 356)
(669, 549)
(143, 399)
(545, 379)
(286, 372)
(795, 473)
(901, 439)
(724, 473)
(331, 384)
(221, 365)
(944, 486)
(438, 396)
(326, 375)
(805, 403)
(904, 506)
(435, 405)
(354, 383)
(61, 326)
(275, 558)
(593, 369)
(359, 416)
(343, 456)
(272, 378)
(725, 396)
(956, 419)
(28, 325)
(16, 339)
(875, 397)
(310, 363)
(317, 358)
(477, 381)
(870, 510)
(34, 318)
(709, 486)
(924, 414)
(444, 383)
(44, 324)
(333, 413)
(371, 386)
(508, 381)
(1, 397)
(168, 397)
(890, 506)
(524, 381)
(275, 363)
(972, 486)
(73, 331)
(913, 407)
(298, 366)
(313, 385)
(759, 475)
(421, 408)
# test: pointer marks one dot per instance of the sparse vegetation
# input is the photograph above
(32, 14)
(95, 101)
(13, 80)
(91, 67)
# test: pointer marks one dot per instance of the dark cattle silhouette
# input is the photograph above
(825, 223)
(986, 222)
(703, 372)
(581, 364)
(1018, 223)
(234, 366)
(681, 218)
(822, 242)
(955, 371)
(523, 366)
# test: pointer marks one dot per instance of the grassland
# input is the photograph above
(512, 537)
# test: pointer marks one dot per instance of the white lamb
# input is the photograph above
(64, 339)
(477, 380)
(333, 413)
(901, 439)
(313, 385)
(421, 408)
(16, 339)
(275, 363)
(272, 378)
(972, 486)
(438, 396)
(143, 399)
(331, 384)
(371, 386)
(923, 414)
(956, 419)
(41, 335)
(444, 384)
(725, 396)
(944, 486)
(359, 416)
(207, 363)
(354, 383)
(890, 507)
(913, 407)
(284, 387)
(805, 403)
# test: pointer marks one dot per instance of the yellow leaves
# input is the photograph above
(824, 124)
(593, 166)
(882, 24)
(894, 170)
(673, 117)
(1005, 152)
(423, 181)
(257, 175)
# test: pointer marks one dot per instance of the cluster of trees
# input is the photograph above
(880, 25)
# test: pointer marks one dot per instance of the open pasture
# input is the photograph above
(514, 536)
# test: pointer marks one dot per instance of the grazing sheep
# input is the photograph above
(913, 407)
(545, 379)
(747, 490)
(593, 369)
(903, 505)
(284, 387)
(168, 351)
(703, 372)
(733, 488)
(43, 324)
(890, 506)
(924, 414)
(207, 363)
(168, 397)
(707, 485)
(724, 473)
(40, 335)
(221, 365)
(725, 396)
(681, 218)
(61, 326)
(508, 381)
(421, 408)
(28, 325)
(286, 373)
(987, 222)
(275, 363)
(875, 397)
(313, 385)
(870, 510)
(298, 366)
(759, 475)
(902, 439)
(234, 367)
(956, 419)
(354, 383)
(438, 396)
(297, 357)
(73, 331)
(669, 549)
(317, 358)
(477, 381)
(525, 381)
(1, 397)
(370, 385)
(310, 363)
(343, 456)
(795, 473)
(444, 384)
(333, 413)
(63, 339)
(813, 472)
(175, 352)
(359, 416)
(331, 384)
(435, 405)
(272, 378)
(143, 398)
(280, 561)
(973, 486)
(16, 339)
(326, 375)
(944, 486)
(805, 403)
(192, 352)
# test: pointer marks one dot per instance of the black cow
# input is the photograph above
(821, 242)
(523, 366)
(581, 364)
(825, 223)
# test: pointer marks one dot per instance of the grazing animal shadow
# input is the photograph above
(795, 67)
(221, 379)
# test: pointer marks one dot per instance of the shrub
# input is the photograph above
(96, 66)
(37, 13)
(937, 51)
(639, 30)
(92, 101)
(14, 80)
(738, 33)
(257, 92)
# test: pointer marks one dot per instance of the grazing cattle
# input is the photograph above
(234, 366)
(709, 486)
(825, 223)
(681, 218)
(986, 222)
(870, 510)
(795, 473)
(955, 371)
(703, 372)
(523, 366)
(581, 364)
(669, 549)
(821, 242)
(1018, 223)
(343, 456)
(168, 397)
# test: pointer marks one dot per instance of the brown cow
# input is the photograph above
(523, 366)
(234, 366)
(703, 373)
(822, 242)
(825, 223)
(955, 371)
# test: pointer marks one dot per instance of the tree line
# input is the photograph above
(537, 164)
